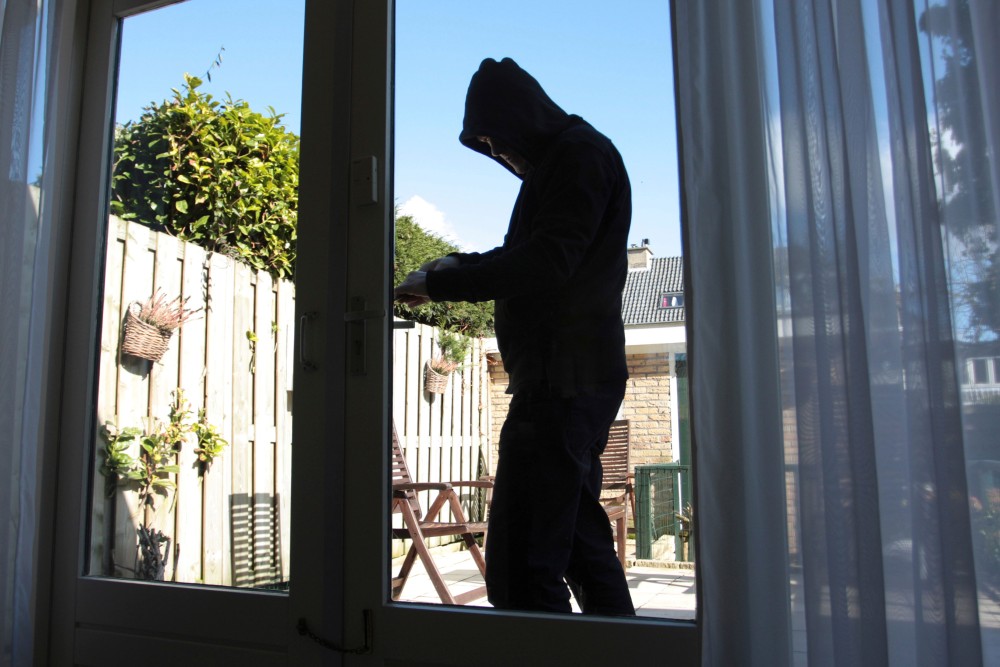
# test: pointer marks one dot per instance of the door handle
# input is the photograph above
(304, 361)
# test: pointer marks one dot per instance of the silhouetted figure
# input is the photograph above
(557, 281)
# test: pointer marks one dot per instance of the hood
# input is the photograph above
(506, 103)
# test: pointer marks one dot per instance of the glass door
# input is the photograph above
(201, 215)
(411, 632)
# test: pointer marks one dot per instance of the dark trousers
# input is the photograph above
(547, 528)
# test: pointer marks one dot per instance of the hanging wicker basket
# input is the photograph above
(434, 382)
(142, 339)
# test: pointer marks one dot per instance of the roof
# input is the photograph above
(644, 289)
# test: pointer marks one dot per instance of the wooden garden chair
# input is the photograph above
(618, 492)
(418, 527)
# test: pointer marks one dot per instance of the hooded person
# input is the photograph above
(557, 282)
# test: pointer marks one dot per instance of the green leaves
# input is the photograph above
(117, 460)
(155, 457)
(216, 174)
(210, 443)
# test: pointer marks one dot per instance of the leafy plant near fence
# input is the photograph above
(214, 173)
(150, 471)
(156, 461)
(414, 247)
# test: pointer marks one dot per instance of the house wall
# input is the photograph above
(647, 406)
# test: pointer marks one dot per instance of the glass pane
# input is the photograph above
(192, 448)
(451, 198)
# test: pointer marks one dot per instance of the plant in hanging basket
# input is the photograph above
(149, 325)
(454, 348)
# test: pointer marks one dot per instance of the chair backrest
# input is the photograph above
(401, 474)
(615, 458)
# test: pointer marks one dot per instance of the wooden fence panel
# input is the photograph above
(284, 365)
(189, 547)
(133, 395)
(240, 447)
(265, 556)
(163, 383)
(102, 514)
(217, 565)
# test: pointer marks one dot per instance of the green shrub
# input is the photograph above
(217, 174)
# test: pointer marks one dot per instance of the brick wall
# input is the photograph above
(646, 406)
(499, 402)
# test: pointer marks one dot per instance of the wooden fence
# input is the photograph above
(230, 526)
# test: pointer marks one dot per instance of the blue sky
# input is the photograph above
(608, 62)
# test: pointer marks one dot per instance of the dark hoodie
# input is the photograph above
(558, 278)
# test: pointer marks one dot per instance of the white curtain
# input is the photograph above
(840, 195)
(25, 53)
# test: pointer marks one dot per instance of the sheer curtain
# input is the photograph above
(25, 53)
(840, 194)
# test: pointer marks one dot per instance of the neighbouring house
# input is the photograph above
(655, 345)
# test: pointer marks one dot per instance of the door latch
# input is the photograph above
(357, 329)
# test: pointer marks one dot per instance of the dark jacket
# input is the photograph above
(558, 278)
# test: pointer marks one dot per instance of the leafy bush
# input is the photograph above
(217, 174)
(414, 247)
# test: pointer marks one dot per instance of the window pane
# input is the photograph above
(463, 202)
(980, 372)
(194, 413)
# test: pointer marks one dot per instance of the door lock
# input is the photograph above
(357, 329)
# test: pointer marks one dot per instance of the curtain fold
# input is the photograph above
(870, 130)
(25, 51)
(727, 257)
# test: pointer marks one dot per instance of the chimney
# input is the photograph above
(639, 256)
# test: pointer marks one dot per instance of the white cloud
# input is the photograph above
(430, 218)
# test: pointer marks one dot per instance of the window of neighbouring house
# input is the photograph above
(672, 300)
(978, 371)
